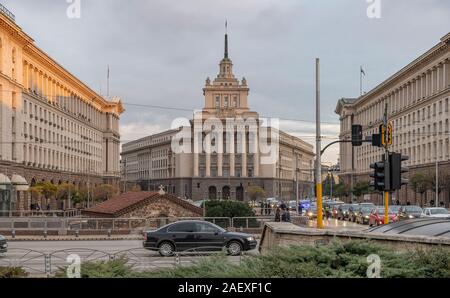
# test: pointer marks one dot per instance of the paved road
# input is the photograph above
(31, 255)
(338, 224)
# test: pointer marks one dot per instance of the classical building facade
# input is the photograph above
(52, 126)
(227, 148)
(418, 105)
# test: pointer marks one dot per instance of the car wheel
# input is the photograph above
(166, 249)
(234, 248)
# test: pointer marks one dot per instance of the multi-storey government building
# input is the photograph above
(222, 151)
(418, 105)
(52, 126)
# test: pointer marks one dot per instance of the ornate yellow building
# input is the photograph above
(52, 126)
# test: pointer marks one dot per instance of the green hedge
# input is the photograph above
(342, 260)
(228, 209)
(12, 272)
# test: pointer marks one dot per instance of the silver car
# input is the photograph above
(436, 213)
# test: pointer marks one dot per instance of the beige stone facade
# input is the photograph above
(52, 126)
(225, 150)
(418, 105)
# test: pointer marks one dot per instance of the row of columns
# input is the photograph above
(428, 83)
(232, 159)
(45, 86)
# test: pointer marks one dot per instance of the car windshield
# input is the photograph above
(345, 207)
(394, 209)
(439, 211)
(380, 210)
(366, 209)
(415, 209)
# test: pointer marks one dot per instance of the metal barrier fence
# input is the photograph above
(129, 225)
(40, 263)
(40, 213)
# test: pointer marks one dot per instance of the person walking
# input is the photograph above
(327, 212)
(278, 215)
(285, 215)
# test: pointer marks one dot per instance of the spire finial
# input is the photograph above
(226, 39)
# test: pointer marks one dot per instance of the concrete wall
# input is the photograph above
(286, 234)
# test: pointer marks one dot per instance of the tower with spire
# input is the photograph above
(226, 96)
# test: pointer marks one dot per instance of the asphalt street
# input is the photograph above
(42, 257)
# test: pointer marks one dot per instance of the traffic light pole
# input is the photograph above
(318, 151)
(386, 155)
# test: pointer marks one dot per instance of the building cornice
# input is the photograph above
(397, 77)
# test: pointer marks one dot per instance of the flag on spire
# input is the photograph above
(362, 71)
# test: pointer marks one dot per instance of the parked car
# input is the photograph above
(343, 211)
(409, 212)
(377, 216)
(436, 212)
(353, 211)
(189, 234)
(3, 244)
(363, 214)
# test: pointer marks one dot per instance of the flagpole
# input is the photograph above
(107, 84)
(360, 81)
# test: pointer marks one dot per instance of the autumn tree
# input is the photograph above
(256, 193)
(104, 192)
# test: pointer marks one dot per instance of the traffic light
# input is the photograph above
(395, 162)
(381, 175)
(357, 137)
(376, 140)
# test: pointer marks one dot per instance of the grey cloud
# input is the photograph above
(161, 51)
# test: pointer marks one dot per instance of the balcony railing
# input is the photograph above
(7, 13)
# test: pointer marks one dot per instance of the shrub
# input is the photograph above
(338, 260)
(101, 269)
(12, 272)
(228, 209)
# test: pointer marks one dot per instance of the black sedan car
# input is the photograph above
(3, 244)
(191, 234)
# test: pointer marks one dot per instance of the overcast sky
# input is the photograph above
(160, 52)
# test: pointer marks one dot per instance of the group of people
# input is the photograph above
(266, 208)
(282, 214)
(37, 207)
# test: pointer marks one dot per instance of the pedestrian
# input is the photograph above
(48, 207)
(262, 207)
(300, 209)
(327, 212)
(38, 207)
(285, 215)
(278, 215)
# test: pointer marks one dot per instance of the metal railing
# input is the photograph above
(96, 226)
(48, 264)
(40, 213)
(7, 13)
